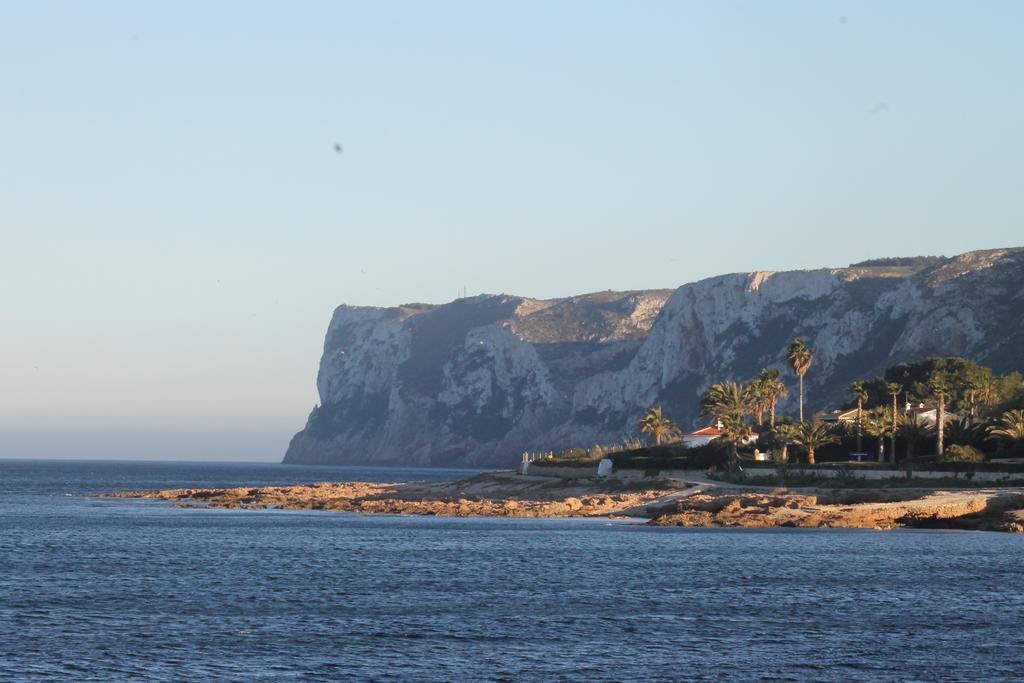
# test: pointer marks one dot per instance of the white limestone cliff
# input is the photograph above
(477, 381)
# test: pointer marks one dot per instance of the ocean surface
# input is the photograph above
(111, 589)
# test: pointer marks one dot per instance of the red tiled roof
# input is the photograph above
(707, 431)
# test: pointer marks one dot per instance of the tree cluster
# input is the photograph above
(989, 410)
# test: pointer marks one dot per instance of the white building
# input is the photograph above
(927, 413)
(707, 435)
(701, 436)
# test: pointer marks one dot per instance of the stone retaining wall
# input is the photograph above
(561, 472)
(890, 474)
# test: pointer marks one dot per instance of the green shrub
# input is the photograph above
(673, 457)
(809, 479)
(962, 453)
(711, 454)
(582, 463)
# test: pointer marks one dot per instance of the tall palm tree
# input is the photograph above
(1010, 426)
(725, 399)
(658, 426)
(773, 389)
(913, 428)
(939, 383)
(813, 435)
(800, 357)
(859, 391)
(894, 389)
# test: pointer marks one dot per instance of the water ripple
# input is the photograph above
(122, 589)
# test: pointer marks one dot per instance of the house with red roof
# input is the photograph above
(709, 434)
(701, 436)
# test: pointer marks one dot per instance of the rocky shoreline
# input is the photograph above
(665, 502)
(492, 494)
(986, 510)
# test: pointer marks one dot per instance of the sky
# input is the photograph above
(177, 225)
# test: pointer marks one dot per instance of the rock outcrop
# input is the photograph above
(490, 494)
(987, 510)
(477, 381)
(666, 502)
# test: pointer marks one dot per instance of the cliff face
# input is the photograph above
(478, 381)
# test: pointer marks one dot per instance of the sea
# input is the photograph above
(99, 589)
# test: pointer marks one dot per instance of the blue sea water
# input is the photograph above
(111, 589)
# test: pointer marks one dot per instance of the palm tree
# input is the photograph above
(734, 432)
(783, 432)
(773, 390)
(876, 425)
(659, 426)
(971, 396)
(725, 399)
(754, 396)
(1010, 426)
(913, 428)
(894, 389)
(813, 435)
(800, 357)
(859, 391)
(962, 431)
(939, 386)
(984, 392)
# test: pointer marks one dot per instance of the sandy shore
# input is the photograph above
(695, 502)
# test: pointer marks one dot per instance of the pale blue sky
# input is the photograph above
(177, 228)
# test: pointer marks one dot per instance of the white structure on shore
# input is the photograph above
(701, 436)
(708, 434)
(927, 413)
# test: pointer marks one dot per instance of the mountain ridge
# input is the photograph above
(479, 380)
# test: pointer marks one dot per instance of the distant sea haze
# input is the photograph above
(115, 589)
(478, 381)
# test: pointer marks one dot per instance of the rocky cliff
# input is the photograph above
(477, 381)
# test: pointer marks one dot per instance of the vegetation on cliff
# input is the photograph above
(900, 262)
